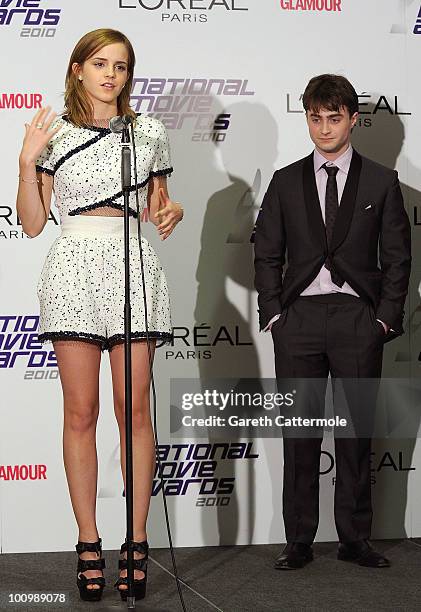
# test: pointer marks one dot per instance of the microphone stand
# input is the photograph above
(121, 125)
(125, 185)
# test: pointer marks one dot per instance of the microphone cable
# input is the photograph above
(151, 372)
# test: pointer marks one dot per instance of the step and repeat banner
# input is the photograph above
(226, 77)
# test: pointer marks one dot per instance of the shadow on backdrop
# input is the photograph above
(225, 276)
(383, 143)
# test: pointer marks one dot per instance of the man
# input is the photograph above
(339, 218)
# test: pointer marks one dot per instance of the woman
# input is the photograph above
(81, 288)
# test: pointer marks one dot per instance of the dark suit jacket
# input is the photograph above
(371, 247)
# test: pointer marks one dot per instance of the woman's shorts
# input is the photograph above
(81, 288)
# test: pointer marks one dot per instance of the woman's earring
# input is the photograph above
(80, 78)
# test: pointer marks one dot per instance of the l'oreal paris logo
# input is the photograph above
(186, 11)
(185, 5)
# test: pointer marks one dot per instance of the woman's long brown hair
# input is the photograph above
(78, 107)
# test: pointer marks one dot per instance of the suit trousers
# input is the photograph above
(317, 335)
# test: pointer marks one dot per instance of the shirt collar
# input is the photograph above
(343, 162)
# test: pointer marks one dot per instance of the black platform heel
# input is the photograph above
(138, 564)
(83, 565)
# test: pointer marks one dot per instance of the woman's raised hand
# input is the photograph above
(38, 135)
(170, 214)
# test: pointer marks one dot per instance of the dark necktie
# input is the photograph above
(331, 210)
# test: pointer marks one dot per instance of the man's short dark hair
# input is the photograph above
(332, 92)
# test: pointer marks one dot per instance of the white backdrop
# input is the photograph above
(248, 60)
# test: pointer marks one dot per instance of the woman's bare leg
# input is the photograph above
(143, 439)
(78, 364)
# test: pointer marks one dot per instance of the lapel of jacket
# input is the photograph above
(311, 197)
(346, 208)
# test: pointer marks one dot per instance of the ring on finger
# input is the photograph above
(39, 126)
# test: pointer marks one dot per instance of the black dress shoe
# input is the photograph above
(362, 553)
(294, 556)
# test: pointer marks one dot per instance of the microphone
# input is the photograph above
(119, 123)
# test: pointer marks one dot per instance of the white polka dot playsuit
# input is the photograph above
(81, 287)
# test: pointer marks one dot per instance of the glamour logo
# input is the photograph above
(180, 103)
(312, 5)
(20, 100)
(23, 472)
(184, 11)
(41, 22)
